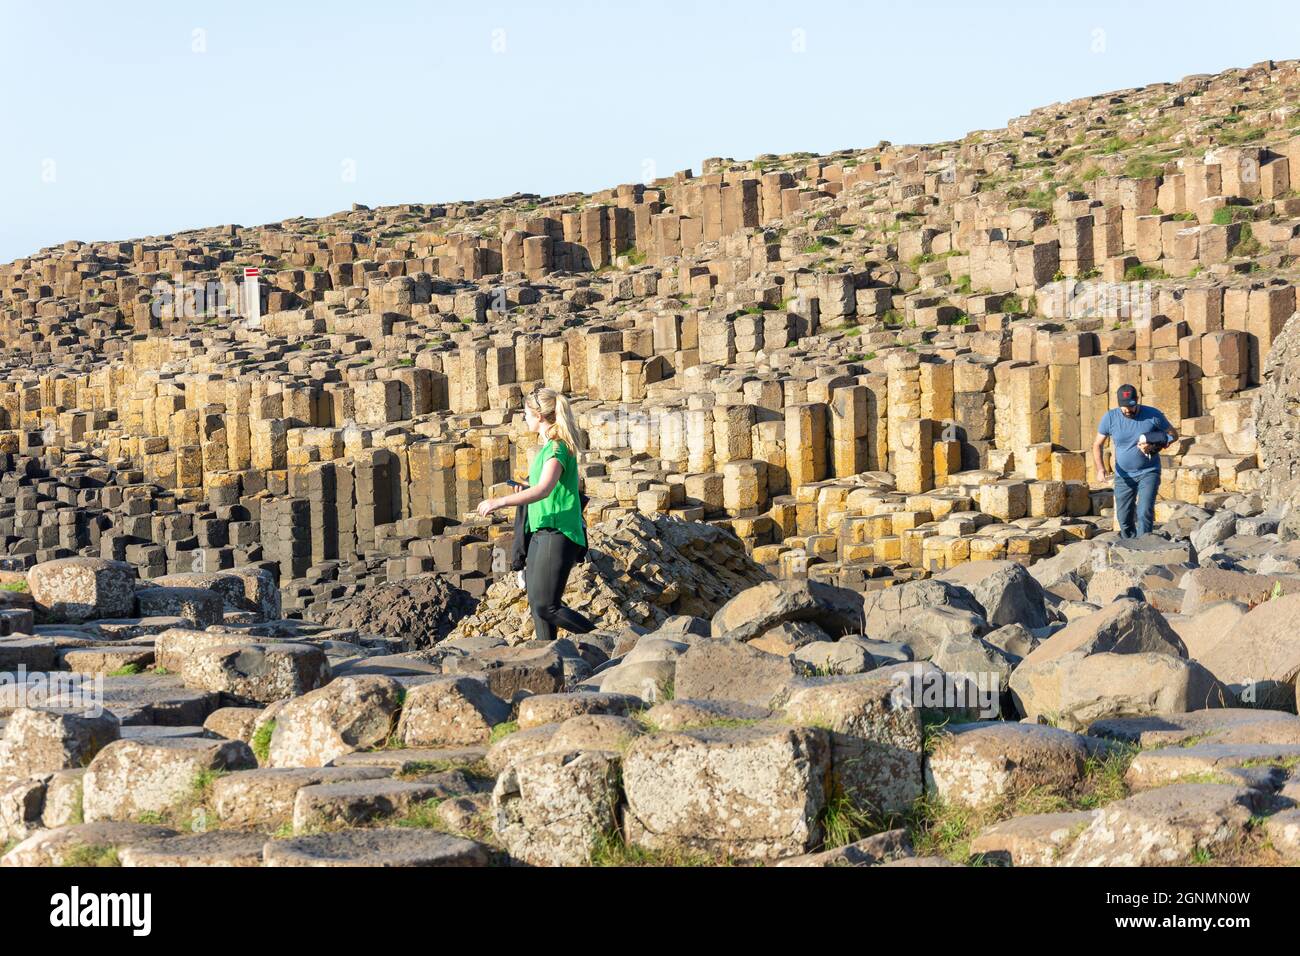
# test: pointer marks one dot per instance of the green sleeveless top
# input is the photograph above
(561, 509)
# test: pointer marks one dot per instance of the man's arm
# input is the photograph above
(1171, 435)
(1096, 456)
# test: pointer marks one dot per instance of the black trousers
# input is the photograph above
(551, 556)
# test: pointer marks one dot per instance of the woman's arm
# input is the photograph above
(550, 476)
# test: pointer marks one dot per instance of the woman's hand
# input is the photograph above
(487, 506)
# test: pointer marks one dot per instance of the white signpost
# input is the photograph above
(252, 297)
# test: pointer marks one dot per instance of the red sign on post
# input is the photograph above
(252, 272)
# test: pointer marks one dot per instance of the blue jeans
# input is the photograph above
(1135, 502)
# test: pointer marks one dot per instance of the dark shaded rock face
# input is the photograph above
(420, 610)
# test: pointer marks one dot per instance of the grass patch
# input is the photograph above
(940, 828)
(423, 816)
(261, 742)
(1103, 778)
(503, 730)
(15, 587)
(91, 855)
(613, 850)
(1247, 244)
(1143, 273)
(126, 670)
(1227, 215)
(423, 768)
(844, 822)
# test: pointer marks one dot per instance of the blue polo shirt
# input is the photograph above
(1125, 431)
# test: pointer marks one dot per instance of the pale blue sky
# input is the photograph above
(141, 133)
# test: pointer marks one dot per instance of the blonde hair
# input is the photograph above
(554, 409)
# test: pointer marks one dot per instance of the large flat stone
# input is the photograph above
(378, 847)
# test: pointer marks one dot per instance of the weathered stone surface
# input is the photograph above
(1035, 840)
(725, 669)
(1207, 627)
(509, 670)
(1274, 417)
(595, 732)
(1260, 655)
(787, 637)
(82, 844)
(130, 777)
(79, 589)
(450, 711)
(265, 797)
(1206, 762)
(200, 606)
(554, 708)
(1206, 586)
(355, 802)
(175, 647)
(418, 611)
(233, 723)
(520, 745)
(1005, 590)
(62, 805)
(1124, 627)
(895, 610)
(1223, 726)
(21, 799)
(1075, 690)
(1283, 831)
(751, 792)
(258, 673)
(978, 765)
(875, 737)
(216, 848)
(755, 610)
(554, 809)
(871, 851)
(837, 657)
(376, 847)
(414, 759)
(44, 740)
(1013, 640)
(684, 714)
(351, 713)
(1165, 825)
(106, 660)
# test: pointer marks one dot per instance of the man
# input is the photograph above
(1139, 433)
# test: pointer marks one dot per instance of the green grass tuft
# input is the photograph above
(261, 742)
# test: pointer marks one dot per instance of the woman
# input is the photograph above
(557, 538)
